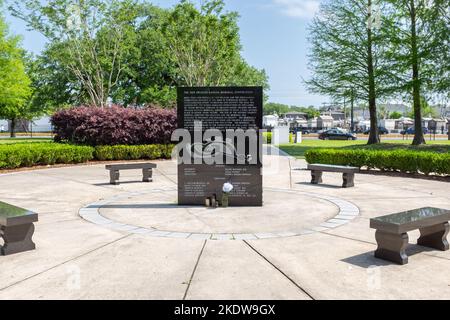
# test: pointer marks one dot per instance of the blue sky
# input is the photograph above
(273, 35)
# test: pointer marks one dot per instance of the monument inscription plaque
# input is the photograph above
(229, 111)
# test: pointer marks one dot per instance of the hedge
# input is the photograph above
(393, 160)
(114, 126)
(26, 155)
(124, 152)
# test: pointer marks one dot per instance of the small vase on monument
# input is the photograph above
(226, 189)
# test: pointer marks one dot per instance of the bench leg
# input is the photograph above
(434, 237)
(17, 239)
(348, 180)
(147, 175)
(316, 177)
(114, 176)
(392, 246)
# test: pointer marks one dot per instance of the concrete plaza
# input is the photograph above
(131, 241)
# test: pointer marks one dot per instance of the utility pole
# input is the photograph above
(345, 114)
(352, 99)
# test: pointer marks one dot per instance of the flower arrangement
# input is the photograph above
(227, 188)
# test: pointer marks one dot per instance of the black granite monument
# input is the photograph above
(227, 112)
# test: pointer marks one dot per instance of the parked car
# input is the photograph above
(336, 134)
(381, 130)
(412, 131)
(303, 130)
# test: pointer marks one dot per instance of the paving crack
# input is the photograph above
(195, 269)
(347, 238)
(64, 262)
(281, 271)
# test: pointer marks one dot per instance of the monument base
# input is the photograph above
(196, 182)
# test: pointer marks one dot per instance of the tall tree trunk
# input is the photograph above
(12, 128)
(374, 136)
(418, 132)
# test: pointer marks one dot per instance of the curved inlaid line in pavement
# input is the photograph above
(347, 212)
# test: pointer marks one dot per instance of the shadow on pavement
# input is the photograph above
(367, 259)
(331, 186)
(144, 206)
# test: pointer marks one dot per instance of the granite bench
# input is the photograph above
(114, 169)
(348, 173)
(16, 229)
(391, 232)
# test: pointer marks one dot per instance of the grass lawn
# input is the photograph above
(23, 140)
(298, 150)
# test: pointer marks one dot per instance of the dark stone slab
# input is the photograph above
(332, 168)
(16, 229)
(392, 246)
(130, 166)
(114, 171)
(434, 236)
(392, 237)
(410, 220)
(348, 173)
(11, 215)
(198, 182)
(348, 180)
(221, 108)
(316, 177)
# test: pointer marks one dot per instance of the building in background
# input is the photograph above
(325, 122)
(292, 116)
(270, 121)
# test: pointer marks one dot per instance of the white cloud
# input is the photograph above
(298, 8)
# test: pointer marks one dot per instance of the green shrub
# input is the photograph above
(388, 160)
(125, 152)
(267, 137)
(25, 155)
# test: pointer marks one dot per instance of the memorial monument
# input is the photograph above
(220, 153)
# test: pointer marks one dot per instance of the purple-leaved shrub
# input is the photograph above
(114, 126)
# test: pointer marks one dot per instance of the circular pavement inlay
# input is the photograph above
(285, 213)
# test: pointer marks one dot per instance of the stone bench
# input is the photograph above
(147, 170)
(391, 232)
(348, 173)
(16, 229)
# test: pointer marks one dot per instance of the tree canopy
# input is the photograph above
(418, 50)
(131, 52)
(377, 49)
(15, 88)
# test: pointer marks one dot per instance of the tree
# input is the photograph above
(347, 55)
(91, 39)
(395, 115)
(383, 112)
(131, 51)
(419, 44)
(153, 77)
(53, 86)
(278, 108)
(311, 112)
(426, 110)
(204, 45)
(440, 18)
(15, 87)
